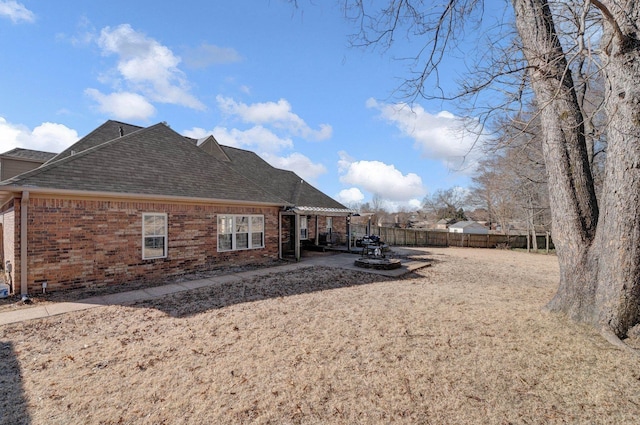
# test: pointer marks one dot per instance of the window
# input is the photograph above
(154, 235)
(237, 232)
(304, 231)
(257, 231)
(329, 230)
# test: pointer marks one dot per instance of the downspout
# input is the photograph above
(23, 243)
(280, 235)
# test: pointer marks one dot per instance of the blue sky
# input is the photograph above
(259, 75)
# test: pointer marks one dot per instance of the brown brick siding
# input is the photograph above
(339, 228)
(79, 243)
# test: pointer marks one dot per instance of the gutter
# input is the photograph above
(23, 243)
(6, 190)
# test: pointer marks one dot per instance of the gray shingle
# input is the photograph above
(152, 161)
(28, 154)
(108, 131)
(282, 183)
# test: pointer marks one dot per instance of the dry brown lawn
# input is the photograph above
(461, 342)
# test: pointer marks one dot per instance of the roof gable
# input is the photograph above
(152, 161)
(210, 145)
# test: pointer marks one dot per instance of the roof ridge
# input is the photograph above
(54, 164)
(91, 133)
(25, 149)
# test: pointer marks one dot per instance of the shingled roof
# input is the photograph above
(107, 131)
(149, 161)
(282, 183)
(28, 155)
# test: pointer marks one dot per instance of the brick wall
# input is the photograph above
(339, 228)
(79, 243)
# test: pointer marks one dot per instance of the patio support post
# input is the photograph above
(23, 242)
(317, 232)
(349, 233)
(297, 237)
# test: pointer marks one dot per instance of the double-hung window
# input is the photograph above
(237, 232)
(154, 235)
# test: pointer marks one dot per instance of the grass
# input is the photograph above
(461, 342)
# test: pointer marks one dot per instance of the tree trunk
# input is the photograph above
(599, 255)
(574, 210)
(618, 235)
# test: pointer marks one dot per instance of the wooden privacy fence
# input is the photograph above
(419, 237)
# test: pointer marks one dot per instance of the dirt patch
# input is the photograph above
(461, 342)
(15, 302)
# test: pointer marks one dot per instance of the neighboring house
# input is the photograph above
(444, 223)
(18, 161)
(471, 227)
(127, 203)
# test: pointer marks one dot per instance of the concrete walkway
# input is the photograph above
(344, 261)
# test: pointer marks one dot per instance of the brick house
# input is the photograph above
(128, 203)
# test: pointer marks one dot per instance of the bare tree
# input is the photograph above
(375, 211)
(511, 181)
(597, 242)
(447, 204)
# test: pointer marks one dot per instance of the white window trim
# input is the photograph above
(165, 236)
(233, 232)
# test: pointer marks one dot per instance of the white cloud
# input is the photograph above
(344, 162)
(298, 163)
(395, 206)
(257, 138)
(122, 105)
(197, 133)
(442, 136)
(276, 114)
(350, 196)
(206, 55)
(266, 144)
(48, 136)
(16, 11)
(382, 179)
(147, 67)
(271, 128)
(415, 204)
